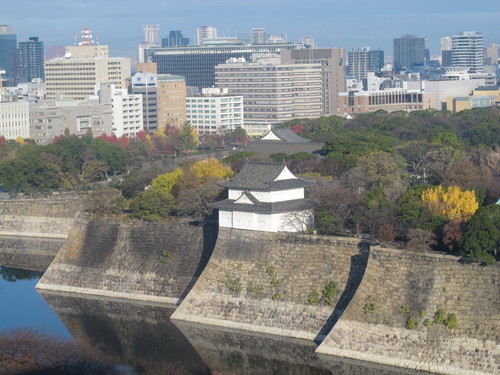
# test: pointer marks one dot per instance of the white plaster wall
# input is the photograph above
(234, 193)
(225, 219)
(293, 222)
(286, 195)
(243, 220)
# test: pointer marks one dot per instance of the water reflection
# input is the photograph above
(142, 336)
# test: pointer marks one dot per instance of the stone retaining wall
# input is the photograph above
(399, 284)
(261, 282)
(49, 218)
(151, 261)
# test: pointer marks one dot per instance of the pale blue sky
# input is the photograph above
(333, 23)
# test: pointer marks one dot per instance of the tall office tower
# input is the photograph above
(175, 39)
(150, 39)
(308, 42)
(467, 51)
(446, 51)
(408, 52)
(272, 93)
(31, 60)
(205, 32)
(77, 78)
(258, 36)
(365, 60)
(151, 34)
(491, 54)
(333, 65)
(163, 99)
(197, 64)
(8, 52)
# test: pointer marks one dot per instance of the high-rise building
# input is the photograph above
(307, 42)
(491, 54)
(175, 39)
(197, 64)
(77, 78)
(151, 34)
(31, 60)
(150, 39)
(333, 64)
(446, 53)
(272, 93)
(467, 51)
(409, 51)
(365, 60)
(163, 99)
(258, 36)
(205, 32)
(8, 52)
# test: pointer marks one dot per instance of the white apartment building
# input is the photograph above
(76, 78)
(272, 93)
(467, 51)
(14, 120)
(215, 111)
(127, 113)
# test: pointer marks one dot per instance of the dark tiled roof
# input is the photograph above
(261, 176)
(288, 136)
(265, 207)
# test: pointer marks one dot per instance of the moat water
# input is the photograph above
(141, 339)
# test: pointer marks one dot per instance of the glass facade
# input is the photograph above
(8, 55)
(197, 64)
(31, 60)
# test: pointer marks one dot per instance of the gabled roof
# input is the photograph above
(257, 175)
(285, 135)
(264, 207)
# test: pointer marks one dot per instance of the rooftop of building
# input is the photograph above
(286, 135)
(257, 175)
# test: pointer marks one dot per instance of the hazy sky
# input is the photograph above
(332, 23)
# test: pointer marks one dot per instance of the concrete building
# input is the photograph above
(409, 51)
(446, 52)
(14, 119)
(467, 51)
(365, 60)
(31, 59)
(388, 100)
(50, 118)
(76, 78)
(8, 53)
(266, 196)
(258, 35)
(273, 93)
(205, 32)
(163, 99)
(215, 111)
(88, 51)
(127, 113)
(491, 54)
(480, 98)
(197, 64)
(150, 39)
(333, 72)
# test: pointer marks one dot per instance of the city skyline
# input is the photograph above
(330, 23)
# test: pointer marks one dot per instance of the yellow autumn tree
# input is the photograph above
(166, 182)
(20, 140)
(211, 168)
(452, 202)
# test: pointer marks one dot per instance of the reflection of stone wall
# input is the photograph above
(28, 253)
(49, 217)
(131, 259)
(397, 281)
(246, 353)
(135, 334)
(261, 281)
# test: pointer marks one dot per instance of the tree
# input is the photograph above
(188, 138)
(153, 205)
(166, 182)
(481, 240)
(211, 168)
(451, 202)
